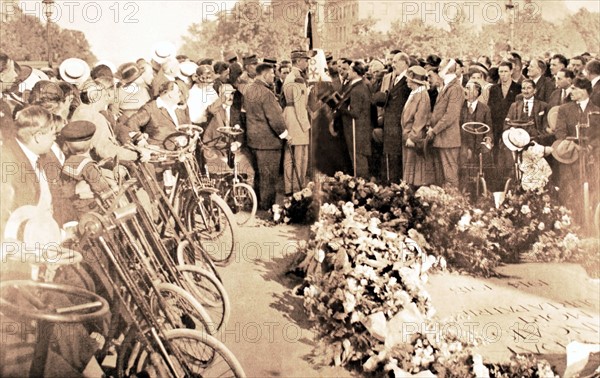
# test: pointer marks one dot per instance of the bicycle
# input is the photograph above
(239, 195)
(478, 129)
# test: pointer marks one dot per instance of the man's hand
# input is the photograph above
(145, 154)
(430, 133)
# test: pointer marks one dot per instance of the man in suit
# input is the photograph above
(356, 109)
(570, 115)
(502, 95)
(564, 79)
(158, 118)
(445, 119)
(266, 131)
(576, 64)
(295, 114)
(528, 107)
(593, 74)
(474, 110)
(543, 85)
(392, 97)
(557, 62)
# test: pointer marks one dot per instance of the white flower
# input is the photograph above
(570, 241)
(566, 220)
(557, 225)
(348, 209)
(352, 285)
(349, 303)
(541, 226)
(464, 222)
(525, 209)
(320, 255)
(546, 210)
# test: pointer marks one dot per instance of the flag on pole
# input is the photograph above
(308, 29)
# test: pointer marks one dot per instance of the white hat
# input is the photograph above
(516, 139)
(186, 71)
(108, 64)
(74, 71)
(162, 51)
(35, 76)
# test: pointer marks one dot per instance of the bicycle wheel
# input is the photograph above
(180, 309)
(193, 353)
(211, 220)
(242, 201)
(209, 291)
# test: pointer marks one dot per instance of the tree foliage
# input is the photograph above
(24, 37)
(246, 30)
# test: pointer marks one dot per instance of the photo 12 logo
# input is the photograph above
(469, 11)
(89, 11)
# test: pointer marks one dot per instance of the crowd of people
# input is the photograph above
(396, 118)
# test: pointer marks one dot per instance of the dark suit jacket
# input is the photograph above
(595, 96)
(264, 117)
(446, 116)
(569, 115)
(357, 106)
(554, 99)
(544, 88)
(392, 102)
(539, 115)
(154, 121)
(499, 106)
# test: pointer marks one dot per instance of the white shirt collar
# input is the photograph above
(448, 78)
(595, 80)
(161, 104)
(356, 80)
(583, 103)
(530, 100)
(473, 104)
(31, 156)
(399, 77)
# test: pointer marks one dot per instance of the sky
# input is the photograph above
(126, 30)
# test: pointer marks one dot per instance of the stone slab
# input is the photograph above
(533, 308)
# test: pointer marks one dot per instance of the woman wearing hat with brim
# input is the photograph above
(418, 162)
(75, 71)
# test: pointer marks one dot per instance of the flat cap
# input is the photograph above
(78, 131)
(270, 60)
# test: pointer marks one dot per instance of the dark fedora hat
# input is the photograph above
(128, 73)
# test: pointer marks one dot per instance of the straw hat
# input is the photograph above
(565, 151)
(515, 139)
(74, 71)
(163, 51)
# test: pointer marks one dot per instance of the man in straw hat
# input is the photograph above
(575, 136)
(75, 71)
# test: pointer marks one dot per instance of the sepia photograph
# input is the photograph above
(300, 188)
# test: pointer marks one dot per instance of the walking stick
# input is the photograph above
(354, 145)
(294, 168)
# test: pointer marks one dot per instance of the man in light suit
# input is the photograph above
(295, 114)
(445, 119)
(392, 97)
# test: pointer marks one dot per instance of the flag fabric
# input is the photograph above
(308, 30)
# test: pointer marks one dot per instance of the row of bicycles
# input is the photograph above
(152, 248)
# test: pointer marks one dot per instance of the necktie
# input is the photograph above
(526, 108)
(471, 108)
(562, 96)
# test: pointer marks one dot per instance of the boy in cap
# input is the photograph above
(79, 167)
